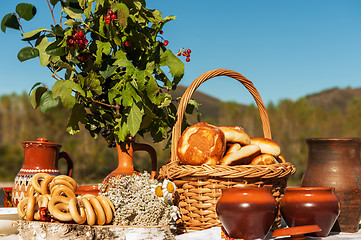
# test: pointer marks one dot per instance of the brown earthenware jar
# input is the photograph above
(310, 206)
(40, 156)
(87, 189)
(247, 212)
(335, 162)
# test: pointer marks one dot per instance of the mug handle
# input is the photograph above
(69, 161)
(153, 156)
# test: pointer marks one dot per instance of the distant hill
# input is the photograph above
(333, 97)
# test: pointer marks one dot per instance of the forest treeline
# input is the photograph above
(291, 122)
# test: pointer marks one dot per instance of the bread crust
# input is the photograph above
(201, 144)
(264, 159)
(235, 134)
(242, 156)
(267, 146)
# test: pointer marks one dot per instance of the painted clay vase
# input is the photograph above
(87, 189)
(247, 212)
(303, 206)
(336, 163)
(125, 159)
(40, 156)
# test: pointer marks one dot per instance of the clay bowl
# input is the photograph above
(87, 189)
(310, 206)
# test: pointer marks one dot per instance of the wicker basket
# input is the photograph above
(199, 187)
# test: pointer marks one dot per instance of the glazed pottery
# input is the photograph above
(336, 163)
(125, 159)
(310, 206)
(247, 212)
(40, 156)
(87, 189)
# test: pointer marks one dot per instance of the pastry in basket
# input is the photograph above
(201, 144)
(236, 135)
(243, 156)
(281, 159)
(264, 159)
(267, 146)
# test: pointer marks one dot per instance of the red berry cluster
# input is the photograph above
(165, 43)
(78, 39)
(185, 52)
(110, 16)
(83, 57)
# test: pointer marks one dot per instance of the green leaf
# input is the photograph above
(36, 95)
(176, 66)
(122, 130)
(54, 49)
(69, 22)
(10, 21)
(78, 114)
(27, 53)
(58, 31)
(43, 56)
(64, 90)
(47, 102)
(122, 12)
(54, 2)
(74, 12)
(32, 34)
(134, 119)
(26, 11)
(108, 72)
(102, 47)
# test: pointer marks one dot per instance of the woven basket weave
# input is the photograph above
(199, 187)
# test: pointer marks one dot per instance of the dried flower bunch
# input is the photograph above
(136, 202)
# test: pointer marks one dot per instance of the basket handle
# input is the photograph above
(176, 132)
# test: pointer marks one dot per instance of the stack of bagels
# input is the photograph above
(52, 198)
(203, 143)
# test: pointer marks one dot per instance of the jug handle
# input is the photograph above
(153, 156)
(69, 161)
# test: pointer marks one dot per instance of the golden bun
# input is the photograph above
(201, 144)
(235, 135)
(264, 159)
(243, 156)
(267, 146)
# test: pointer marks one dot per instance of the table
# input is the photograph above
(215, 234)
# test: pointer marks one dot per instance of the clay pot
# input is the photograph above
(40, 156)
(125, 159)
(87, 189)
(247, 212)
(336, 163)
(310, 206)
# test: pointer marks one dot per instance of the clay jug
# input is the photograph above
(302, 206)
(247, 212)
(125, 159)
(336, 163)
(40, 156)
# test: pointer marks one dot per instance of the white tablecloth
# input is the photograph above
(215, 234)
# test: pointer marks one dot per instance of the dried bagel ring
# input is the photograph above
(110, 203)
(59, 208)
(98, 209)
(26, 208)
(77, 212)
(90, 214)
(31, 191)
(35, 180)
(44, 184)
(60, 182)
(66, 178)
(109, 214)
(61, 212)
(61, 191)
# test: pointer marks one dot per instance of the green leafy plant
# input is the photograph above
(108, 59)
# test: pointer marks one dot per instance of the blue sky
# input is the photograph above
(287, 48)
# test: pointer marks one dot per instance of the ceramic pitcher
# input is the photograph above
(40, 156)
(336, 163)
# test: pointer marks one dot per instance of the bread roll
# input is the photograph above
(267, 146)
(281, 159)
(242, 156)
(201, 144)
(235, 134)
(264, 159)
